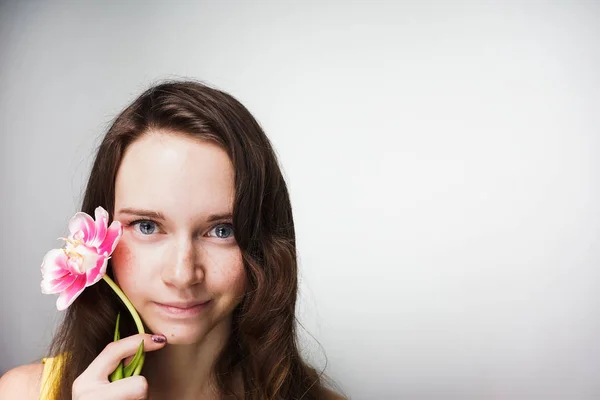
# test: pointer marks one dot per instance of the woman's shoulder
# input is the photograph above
(22, 382)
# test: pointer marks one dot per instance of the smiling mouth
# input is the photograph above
(183, 310)
(183, 306)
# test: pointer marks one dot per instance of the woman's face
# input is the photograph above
(174, 196)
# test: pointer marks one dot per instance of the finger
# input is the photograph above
(132, 388)
(114, 352)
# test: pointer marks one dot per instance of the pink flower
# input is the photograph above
(83, 260)
(81, 263)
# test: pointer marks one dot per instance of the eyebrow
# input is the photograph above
(160, 216)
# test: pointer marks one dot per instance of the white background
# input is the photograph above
(442, 159)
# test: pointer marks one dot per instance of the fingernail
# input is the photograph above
(159, 338)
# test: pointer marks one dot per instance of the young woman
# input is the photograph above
(207, 257)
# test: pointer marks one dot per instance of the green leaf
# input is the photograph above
(136, 363)
(138, 369)
(117, 333)
(118, 372)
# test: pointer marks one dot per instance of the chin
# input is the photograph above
(180, 333)
(183, 340)
(186, 330)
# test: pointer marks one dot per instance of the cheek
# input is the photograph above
(233, 275)
(123, 261)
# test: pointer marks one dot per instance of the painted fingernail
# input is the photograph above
(159, 338)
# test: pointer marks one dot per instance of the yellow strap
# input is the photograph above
(51, 365)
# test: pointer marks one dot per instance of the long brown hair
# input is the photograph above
(263, 343)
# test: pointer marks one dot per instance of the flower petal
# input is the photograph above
(101, 225)
(68, 296)
(54, 264)
(82, 227)
(89, 256)
(96, 273)
(113, 235)
(58, 285)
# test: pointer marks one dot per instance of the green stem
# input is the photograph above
(130, 307)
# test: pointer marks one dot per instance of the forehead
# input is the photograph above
(175, 174)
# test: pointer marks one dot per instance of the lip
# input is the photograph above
(183, 310)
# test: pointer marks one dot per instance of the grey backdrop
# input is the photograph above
(442, 158)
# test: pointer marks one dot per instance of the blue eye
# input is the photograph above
(223, 231)
(146, 227)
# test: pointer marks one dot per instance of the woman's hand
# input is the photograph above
(93, 383)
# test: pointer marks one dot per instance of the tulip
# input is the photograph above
(82, 263)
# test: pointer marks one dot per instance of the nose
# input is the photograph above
(184, 269)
